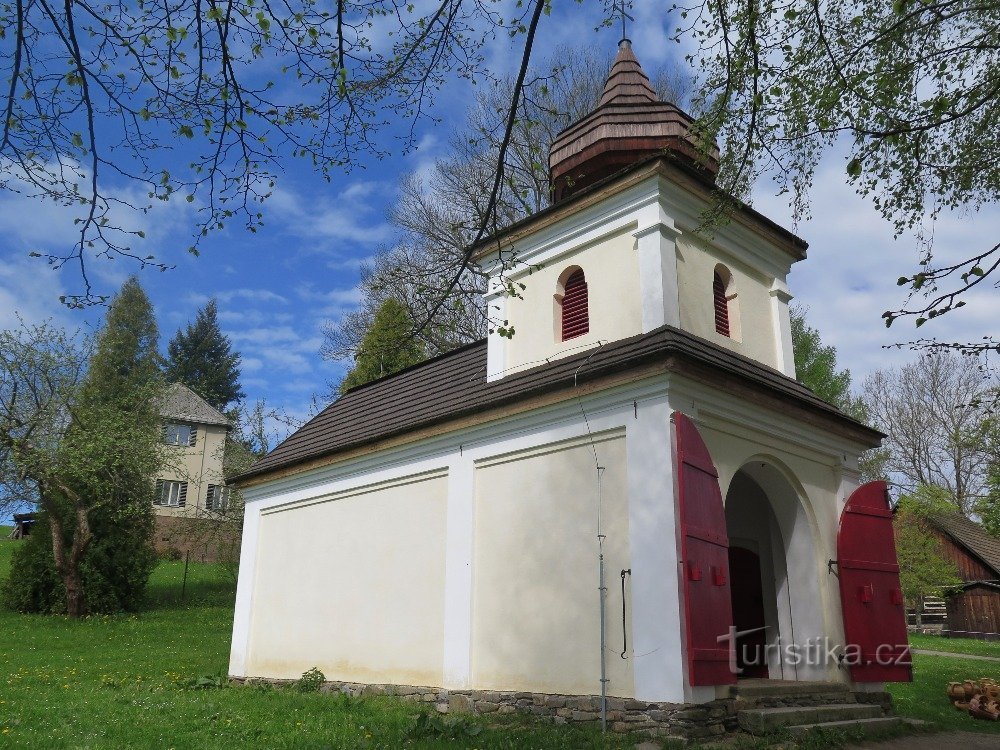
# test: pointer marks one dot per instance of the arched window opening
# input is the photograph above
(721, 302)
(575, 307)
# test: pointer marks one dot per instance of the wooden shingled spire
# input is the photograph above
(627, 83)
(629, 125)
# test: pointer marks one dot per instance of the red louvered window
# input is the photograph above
(575, 311)
(721, 305)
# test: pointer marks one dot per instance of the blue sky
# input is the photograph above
(277, 288)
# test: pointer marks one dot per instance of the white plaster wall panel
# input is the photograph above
(536, 617)
(611, 268)
(751, 317)
(354, 585)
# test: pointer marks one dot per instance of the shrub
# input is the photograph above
(116, 567)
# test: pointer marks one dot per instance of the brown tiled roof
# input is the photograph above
(181, 403)
(971, 536)
(454, 386)
(628, 125)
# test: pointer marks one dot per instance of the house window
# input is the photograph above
(180, 434)
(721, 298)
(218, 497)
(171, 494)
(574, 305)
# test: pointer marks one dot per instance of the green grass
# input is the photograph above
(925, 697)
(113, 682)
(955, 645)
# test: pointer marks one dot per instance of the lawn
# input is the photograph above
(924, 698)
(114, 682)
(955, 645)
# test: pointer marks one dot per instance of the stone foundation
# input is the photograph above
(624, 714)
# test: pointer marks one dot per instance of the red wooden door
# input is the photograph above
(872, 601)
(708, 612)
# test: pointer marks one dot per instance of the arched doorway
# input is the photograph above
(777, 603)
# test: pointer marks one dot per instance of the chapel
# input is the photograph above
(630, 497)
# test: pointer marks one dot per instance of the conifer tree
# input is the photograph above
(387, 347)
(201, 357)
(126, 360)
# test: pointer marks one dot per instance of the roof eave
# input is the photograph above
(664, 163)
(669, 355)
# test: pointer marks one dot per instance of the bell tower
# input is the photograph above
(622, 251)
(629, 125)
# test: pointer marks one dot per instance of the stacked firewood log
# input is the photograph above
(980, 698)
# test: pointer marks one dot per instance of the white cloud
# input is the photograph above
(324, 222)
(849, 278)
(331, 303)
(251, 295)
(29, 289)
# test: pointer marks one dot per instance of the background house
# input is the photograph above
(191, 495)
(973, 612)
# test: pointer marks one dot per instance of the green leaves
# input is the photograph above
(854, 167)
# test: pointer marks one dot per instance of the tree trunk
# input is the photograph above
(76, 605)
(68, 565)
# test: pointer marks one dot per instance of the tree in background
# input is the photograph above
(80, 438)
(439, 215)
(201, 357)
(923, 569)
(387, 347)
(174, 99)
(816, 367)
(938, 428)
(908, 89)
(988, 508)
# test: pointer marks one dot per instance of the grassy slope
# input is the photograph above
(113, 682)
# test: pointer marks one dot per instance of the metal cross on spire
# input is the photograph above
(621, 6)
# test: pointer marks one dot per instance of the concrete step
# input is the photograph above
(763, 720)
(751, 689)
(865, 727)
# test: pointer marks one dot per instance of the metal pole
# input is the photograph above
(604, 666)
(184, 583)
(603, 591)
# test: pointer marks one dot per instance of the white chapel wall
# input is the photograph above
(611, 268)
(354, 585)
(751, 314)
(536, 619)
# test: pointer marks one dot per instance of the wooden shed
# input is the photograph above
(23, 523)
(974, 612)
